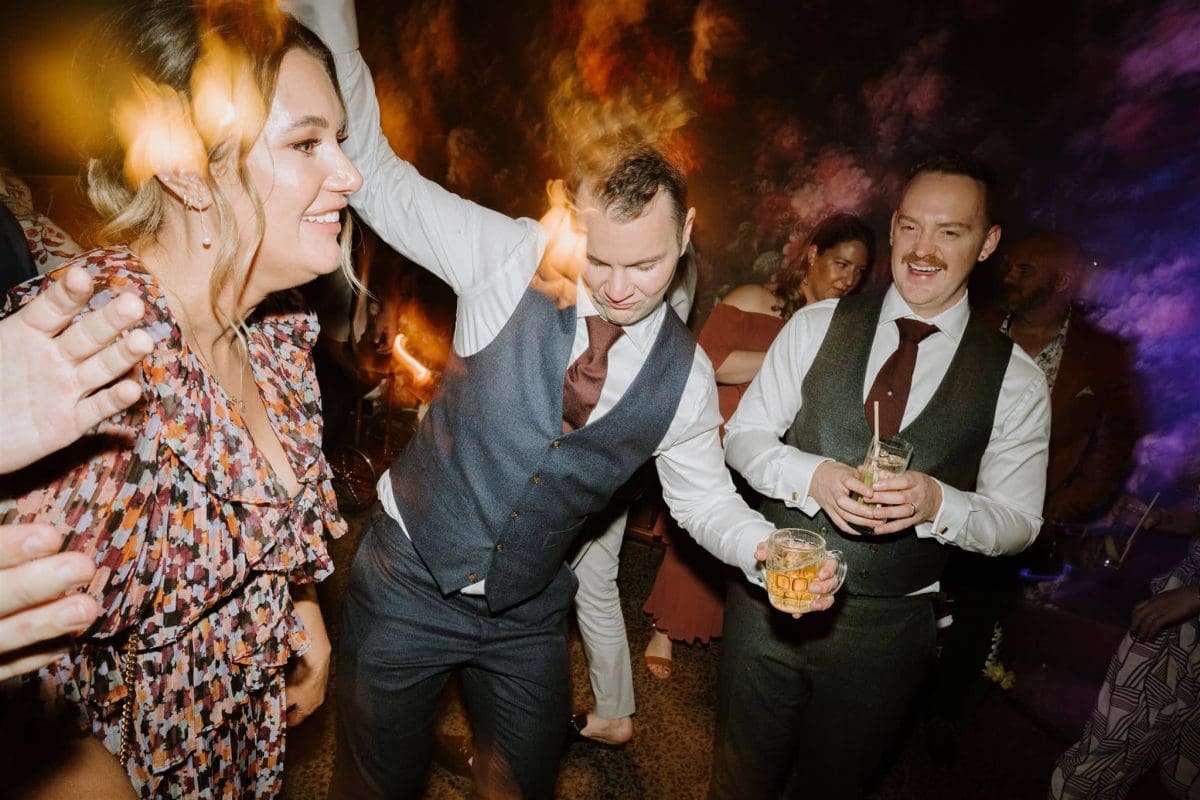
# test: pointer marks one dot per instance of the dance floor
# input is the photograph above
(1006, 752)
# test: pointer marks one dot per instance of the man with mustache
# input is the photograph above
(826, 694)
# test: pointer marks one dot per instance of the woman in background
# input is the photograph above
(205, 507)
(686, 601)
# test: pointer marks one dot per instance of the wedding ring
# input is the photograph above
(913, 506)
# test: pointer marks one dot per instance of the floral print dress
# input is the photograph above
(196, 542)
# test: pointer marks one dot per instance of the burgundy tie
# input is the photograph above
(894, 380)
(585, 376)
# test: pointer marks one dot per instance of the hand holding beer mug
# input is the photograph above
(793, 563)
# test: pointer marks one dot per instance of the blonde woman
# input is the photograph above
(206, 506)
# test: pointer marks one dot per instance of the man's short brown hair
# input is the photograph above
(624, 175)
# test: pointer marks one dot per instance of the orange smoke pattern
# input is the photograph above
(716, 34)
(621, 82)
(426, 39)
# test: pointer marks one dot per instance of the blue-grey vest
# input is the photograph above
(490, 487)
(949, 438)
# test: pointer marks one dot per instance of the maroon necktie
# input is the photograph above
(894, 380)
(585, 376)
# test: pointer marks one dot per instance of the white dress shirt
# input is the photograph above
(1002, 515)
(489, 260)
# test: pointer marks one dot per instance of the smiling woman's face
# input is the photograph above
(302, 176)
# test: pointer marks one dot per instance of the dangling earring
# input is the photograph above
(205, 239)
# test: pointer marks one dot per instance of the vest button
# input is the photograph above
(862, 573)
(556, 444)
(535, 480)
(874, 548)
(473, 577)
(499, 547)
(514, 515)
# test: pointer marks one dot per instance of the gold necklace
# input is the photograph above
(243, 362)
(193, 344)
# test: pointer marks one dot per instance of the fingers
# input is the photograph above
(819, 604)
(49, 621)
(855, 486)
(103, 404)
(42, 579)
(96, 329)
(900, 483)
(845, 527)
(855, 513)
(760, 552)
(303, 707)
(1141, 614)
(1146, 620)
(891, 501)
(822, 603)
(31, 658)
(53, 309)
(898, 524)
(21, 543)
(1148, 627)
(116, 359)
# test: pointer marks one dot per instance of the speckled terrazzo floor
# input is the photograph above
(1007, 748)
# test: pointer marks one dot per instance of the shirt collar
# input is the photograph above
(952, 321)
(641, 333)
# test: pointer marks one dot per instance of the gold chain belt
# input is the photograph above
(129, 675)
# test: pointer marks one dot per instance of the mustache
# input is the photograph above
(932, 261)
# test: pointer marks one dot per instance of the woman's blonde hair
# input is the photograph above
(155, 49)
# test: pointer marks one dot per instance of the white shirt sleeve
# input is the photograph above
(696, 484)
(768, 408)
(333, 20)
(1004, 513)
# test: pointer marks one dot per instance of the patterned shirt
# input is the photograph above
(1051, 356)
(196, 542)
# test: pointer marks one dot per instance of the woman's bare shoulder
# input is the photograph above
(753, 297)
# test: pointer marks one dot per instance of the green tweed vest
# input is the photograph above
(949, 437)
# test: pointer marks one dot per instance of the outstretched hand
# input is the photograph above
(55, 372)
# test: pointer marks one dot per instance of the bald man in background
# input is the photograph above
(1094, 427)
